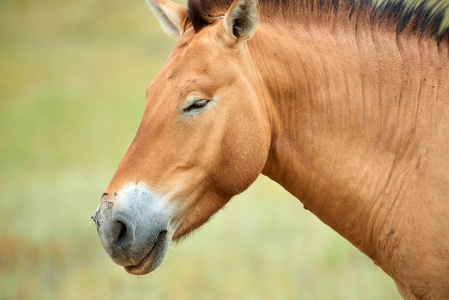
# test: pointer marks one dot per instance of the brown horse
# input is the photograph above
(343, 103)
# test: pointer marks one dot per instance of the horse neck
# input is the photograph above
(347, 120)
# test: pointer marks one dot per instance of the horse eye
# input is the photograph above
(196, 105)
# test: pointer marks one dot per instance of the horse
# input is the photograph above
(344, 103)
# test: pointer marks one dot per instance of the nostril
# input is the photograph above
(122, 233)
(124, 238)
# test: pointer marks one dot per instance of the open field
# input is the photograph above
(72, 91)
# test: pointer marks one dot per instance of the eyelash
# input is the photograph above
(197, 105)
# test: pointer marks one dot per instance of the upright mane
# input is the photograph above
(419, 19)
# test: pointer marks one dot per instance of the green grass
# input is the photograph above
(72, 85)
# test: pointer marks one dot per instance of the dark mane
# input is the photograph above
(419, 19)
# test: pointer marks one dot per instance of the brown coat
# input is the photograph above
(344, 105)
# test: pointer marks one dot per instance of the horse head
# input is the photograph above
(204, 137)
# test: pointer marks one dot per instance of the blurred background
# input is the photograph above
(72, 92)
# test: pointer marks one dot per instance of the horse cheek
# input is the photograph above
(242, 160)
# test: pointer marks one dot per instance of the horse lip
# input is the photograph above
(154, 257)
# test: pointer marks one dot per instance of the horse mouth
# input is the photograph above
(154, 258)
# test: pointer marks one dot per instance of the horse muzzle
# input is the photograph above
(134, 228)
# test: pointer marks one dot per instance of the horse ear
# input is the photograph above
(241, 19)
(172, 17)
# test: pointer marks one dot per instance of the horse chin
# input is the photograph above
(155, 256)
(184, 231)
